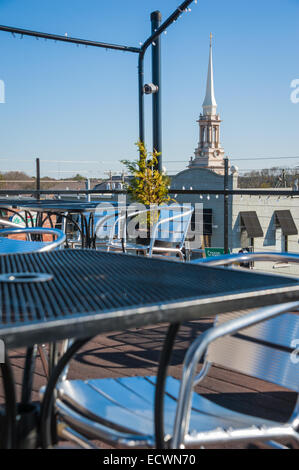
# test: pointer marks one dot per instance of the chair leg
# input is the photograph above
(65, 432)
(44, 358)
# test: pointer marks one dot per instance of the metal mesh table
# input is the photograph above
(69, 210)
(46, 297)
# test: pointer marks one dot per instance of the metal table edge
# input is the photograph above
(95, 323)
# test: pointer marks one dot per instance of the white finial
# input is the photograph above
(209, 104)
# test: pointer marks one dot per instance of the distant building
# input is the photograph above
(259, 223)
(115, 182)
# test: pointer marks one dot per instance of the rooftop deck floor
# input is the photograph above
(136, 352)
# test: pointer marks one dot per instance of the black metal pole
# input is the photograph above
(225, 227)
(156, 18)
(141, 51)
(37, 179)
(141, 96)
(171, 19)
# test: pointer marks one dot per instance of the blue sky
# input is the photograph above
(74, 103)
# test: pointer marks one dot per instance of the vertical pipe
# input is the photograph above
(37, 179)
(156, 18)
(225, 206)
(141, 96)
(87, 187)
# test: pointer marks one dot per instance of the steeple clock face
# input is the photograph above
(216, 153)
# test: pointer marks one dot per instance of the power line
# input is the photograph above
(241, 159)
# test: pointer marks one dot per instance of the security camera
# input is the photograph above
(150, 88)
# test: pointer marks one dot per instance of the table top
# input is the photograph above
(55, 205)
(81, 293)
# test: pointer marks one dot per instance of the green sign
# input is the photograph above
(16, 219)
(214, 252)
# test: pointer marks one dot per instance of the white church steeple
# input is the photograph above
(209, 104)
(209, 153)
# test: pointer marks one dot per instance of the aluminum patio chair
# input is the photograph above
(167, 234)
(107, 228)
(9, 245)
(98, 225)
(121, 411)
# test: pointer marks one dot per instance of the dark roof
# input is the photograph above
(284, 219)
(251, 224)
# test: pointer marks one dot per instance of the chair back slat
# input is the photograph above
(175, 229)
(266, 351)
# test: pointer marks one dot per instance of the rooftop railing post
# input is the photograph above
(87, 186)
(156, 18)
(225, 197)
(37, 178)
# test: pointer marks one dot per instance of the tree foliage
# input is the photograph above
(147, 185)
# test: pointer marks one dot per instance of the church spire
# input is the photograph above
(209, 153)
(209, 104)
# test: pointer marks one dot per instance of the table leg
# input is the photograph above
(164, 361)
(85, 233)
(9, 433)
(91, 231)
(28, 375)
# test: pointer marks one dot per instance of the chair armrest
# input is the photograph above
(199, 347)
(60, 236)
(243, 257)
(8, 223)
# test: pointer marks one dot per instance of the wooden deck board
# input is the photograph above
(136, 352)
